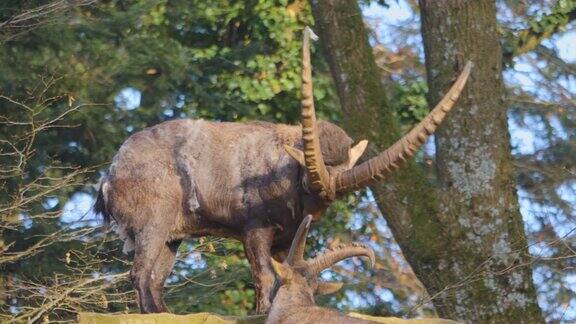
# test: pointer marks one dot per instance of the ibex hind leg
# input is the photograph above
(161, 270)
(149, 244)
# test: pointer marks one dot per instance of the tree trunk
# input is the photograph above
(465, 240)
(476, 176)
(406, 197)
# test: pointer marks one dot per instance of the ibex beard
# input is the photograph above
(250, 181)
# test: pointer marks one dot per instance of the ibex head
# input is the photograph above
(297, 279)
(327, 181)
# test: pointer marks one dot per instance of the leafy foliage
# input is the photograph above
(540, 28)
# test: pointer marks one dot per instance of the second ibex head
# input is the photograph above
(297, 280)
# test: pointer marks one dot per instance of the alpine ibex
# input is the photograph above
(251, 181)
(297, 282)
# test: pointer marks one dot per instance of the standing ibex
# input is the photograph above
(188, 178)
(293, 298)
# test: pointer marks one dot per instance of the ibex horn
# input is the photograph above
(388, 161)
(296, 253)
(331, 257)
(319, 178)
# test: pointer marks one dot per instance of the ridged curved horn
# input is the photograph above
(342, 252)
(296, 253)
(388, 161)
(319, 178)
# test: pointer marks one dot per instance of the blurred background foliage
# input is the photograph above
(78, 77)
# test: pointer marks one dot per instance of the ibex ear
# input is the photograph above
(328, 287)
(356, 152)
(296, 154)
(283, 272)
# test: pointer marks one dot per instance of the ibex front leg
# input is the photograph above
(257, 245)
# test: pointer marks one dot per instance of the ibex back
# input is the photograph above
(251, 181)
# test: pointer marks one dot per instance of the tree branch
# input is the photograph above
(30, 19)
(526, 40)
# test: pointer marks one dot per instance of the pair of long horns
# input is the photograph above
(326, 259)
(378, 167)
